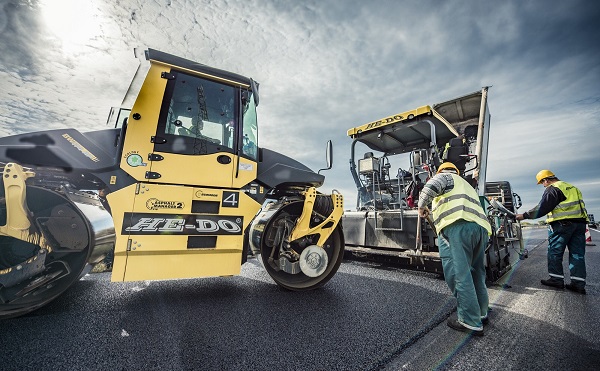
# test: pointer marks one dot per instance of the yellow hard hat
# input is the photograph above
(448, 165)
(543, 174)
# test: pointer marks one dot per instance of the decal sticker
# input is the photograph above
(230, 199)
(135, 160)
(155, 204)
(159, 224)
(80, 148)
(386, 120)
(200, 194)
(246, 166)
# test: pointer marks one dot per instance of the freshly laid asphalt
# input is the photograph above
(369, 316)
(531, 327)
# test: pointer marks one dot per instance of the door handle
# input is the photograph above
(224, 159)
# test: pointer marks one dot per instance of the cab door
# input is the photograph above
(195, 136)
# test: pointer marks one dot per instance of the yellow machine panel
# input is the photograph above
(182, 232)
(245, 174)
(186, 169)
(141, 125)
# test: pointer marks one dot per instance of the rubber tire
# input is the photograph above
(301, 282)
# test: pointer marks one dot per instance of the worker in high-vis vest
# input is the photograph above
(567, 219)
(463, 234)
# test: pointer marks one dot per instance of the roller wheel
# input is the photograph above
(62, 266)
(299, 281)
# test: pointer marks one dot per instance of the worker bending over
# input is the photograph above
(463, 233)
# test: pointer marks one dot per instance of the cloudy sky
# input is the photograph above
(327, 66)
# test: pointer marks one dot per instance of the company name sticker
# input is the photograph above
(157, 224)
(155, 204)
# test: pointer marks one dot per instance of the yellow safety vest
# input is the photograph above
(462, 202)
(571, 208)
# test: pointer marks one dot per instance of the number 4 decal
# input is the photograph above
(230, 199)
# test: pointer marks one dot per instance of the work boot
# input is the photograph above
(486, 319)
(577, 289)
(553, 283)
(454, 324)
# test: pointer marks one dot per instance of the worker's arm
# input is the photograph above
(550, 199)
(436, 186)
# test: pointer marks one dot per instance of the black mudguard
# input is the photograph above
(67, 149)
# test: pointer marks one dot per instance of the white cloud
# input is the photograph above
(325, 67)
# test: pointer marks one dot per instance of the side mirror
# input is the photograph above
(328, 156)
(254, 87)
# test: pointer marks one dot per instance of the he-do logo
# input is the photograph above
(157, 224)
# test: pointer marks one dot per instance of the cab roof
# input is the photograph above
(411, 129)
(185, 64)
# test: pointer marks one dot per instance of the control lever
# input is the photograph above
(498, 206)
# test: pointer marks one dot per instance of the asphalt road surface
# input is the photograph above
(368, 317)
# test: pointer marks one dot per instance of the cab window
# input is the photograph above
(250, 128)
(197, 116)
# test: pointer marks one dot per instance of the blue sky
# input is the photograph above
(327, 66)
